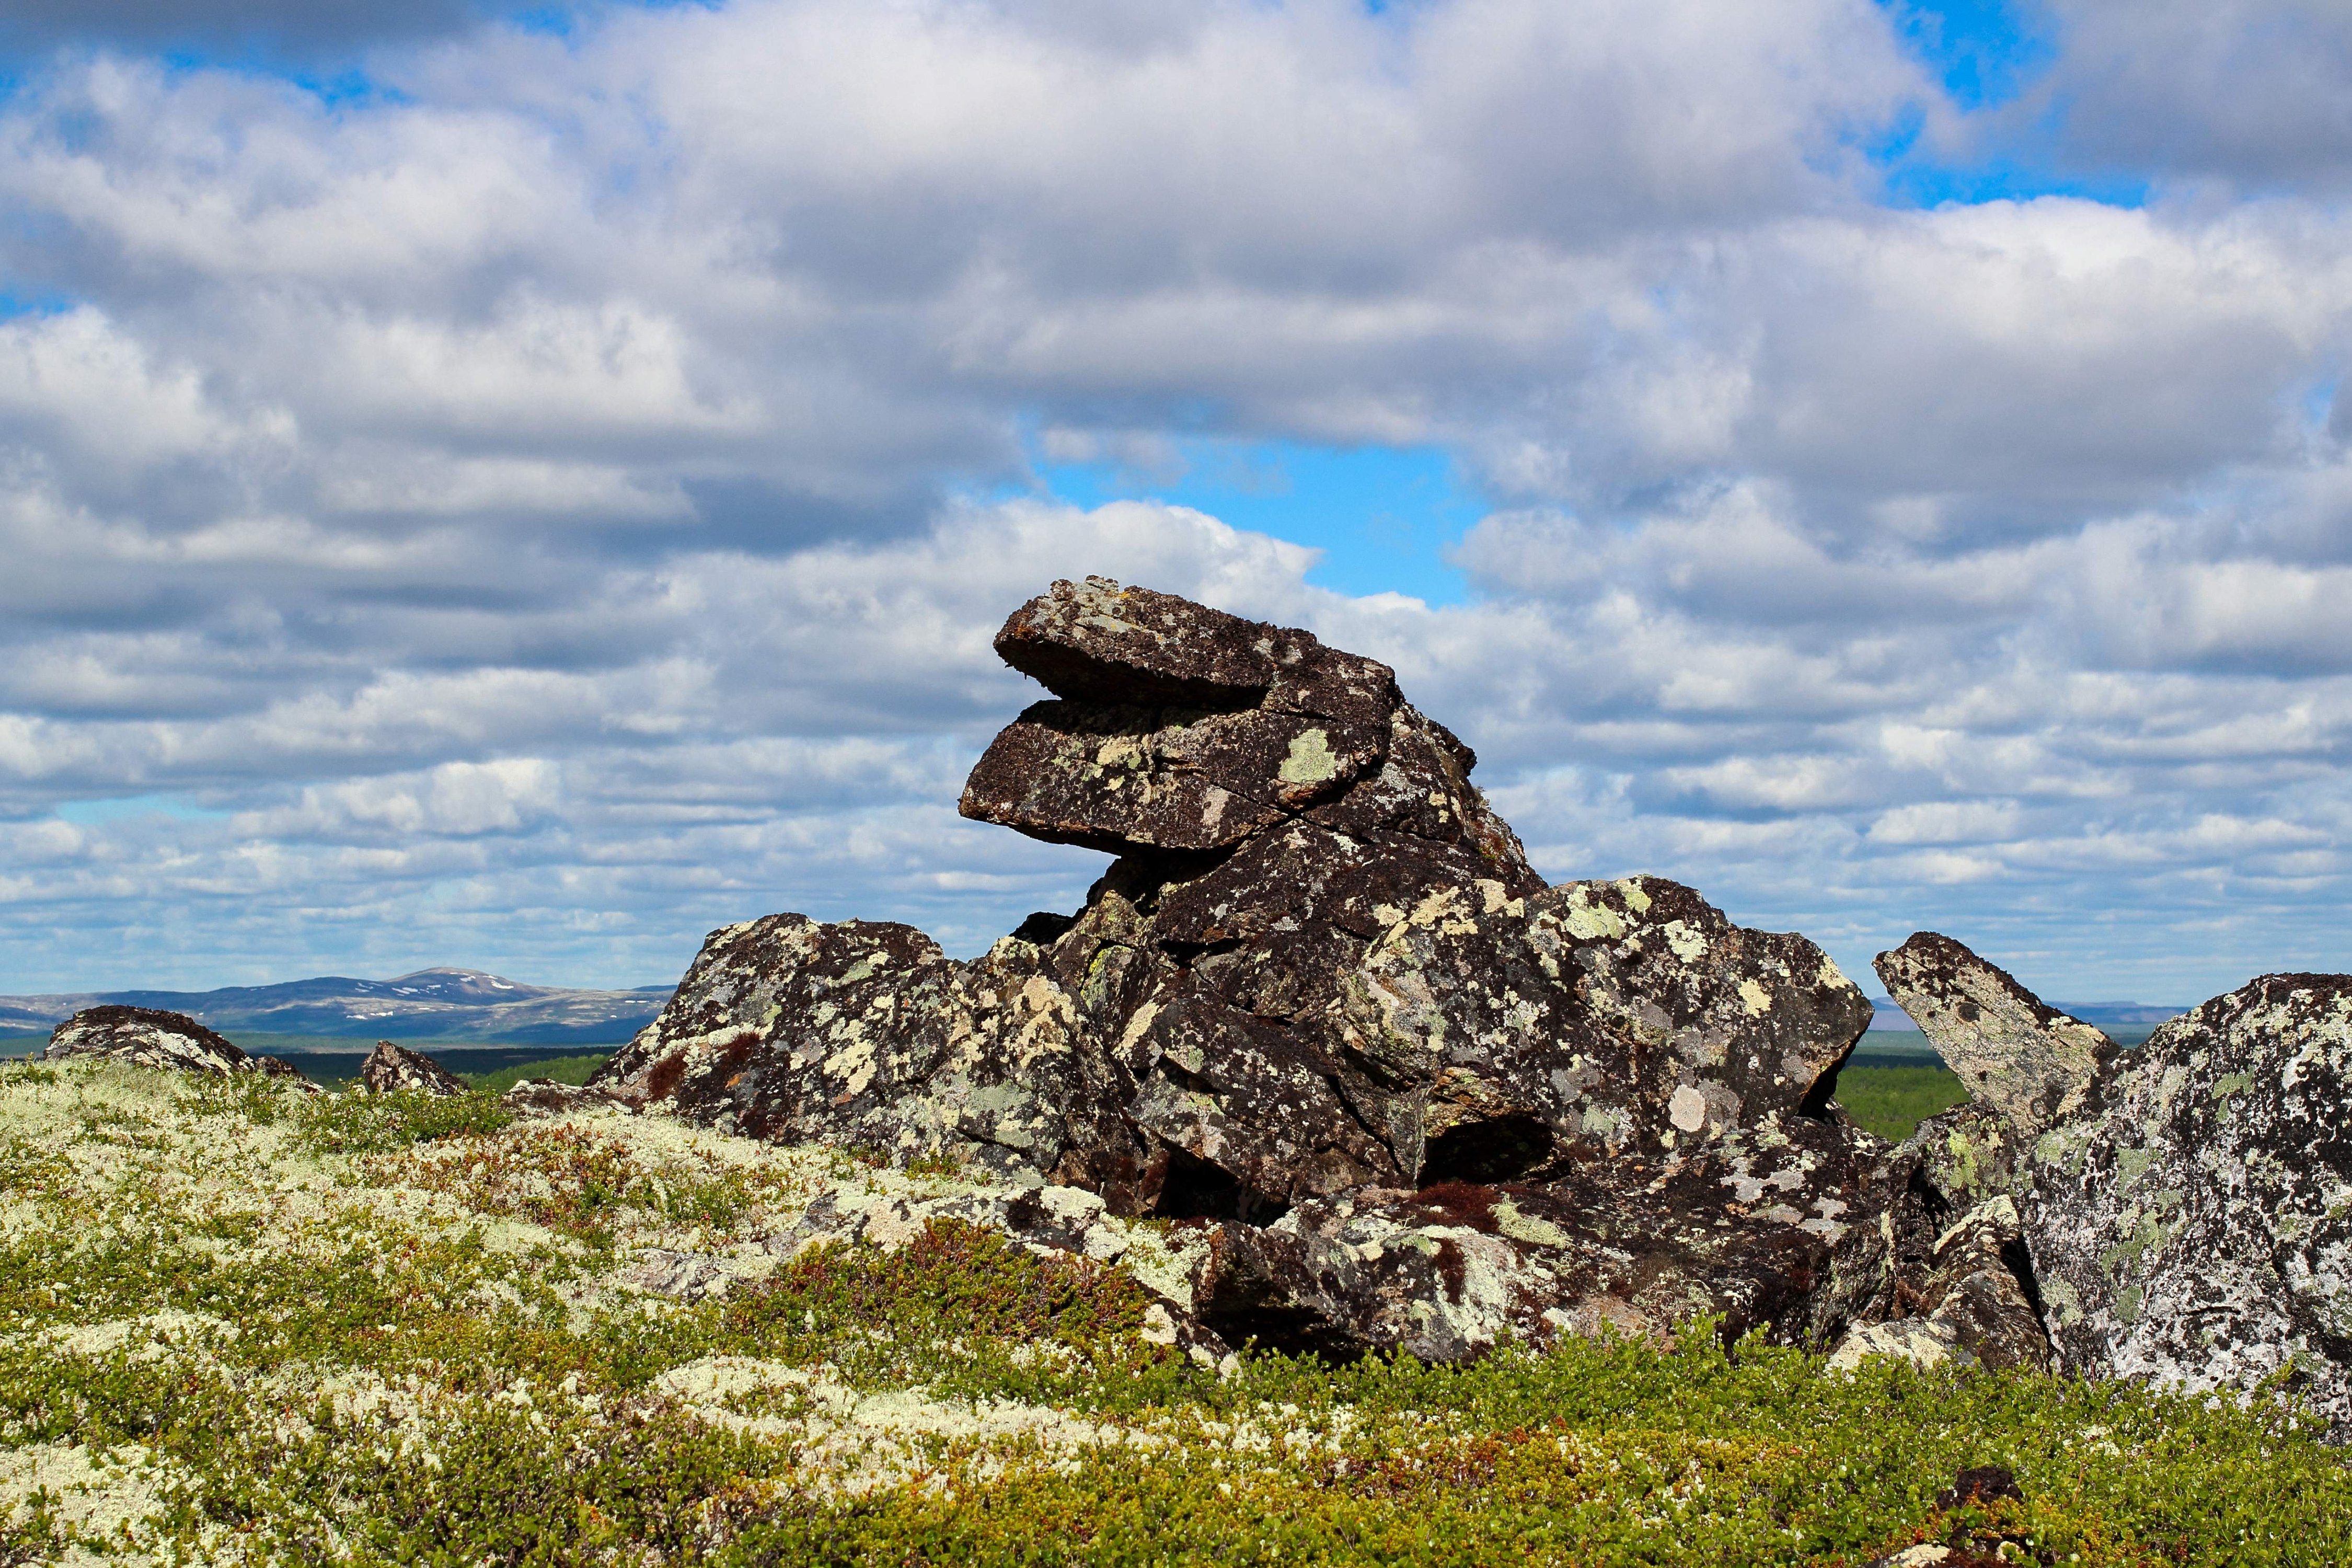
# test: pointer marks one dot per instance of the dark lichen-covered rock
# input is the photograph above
(1319, 982)
(1954, 1281)
(866, 1034)
(395, 1069)
(2032, 1063)
(1179, 728)
(148, 1036)
(1746, 1231)
(2197, 1230)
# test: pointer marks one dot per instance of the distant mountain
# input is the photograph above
(432, 1004)
(1888, 1016)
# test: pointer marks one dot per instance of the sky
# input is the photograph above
(523, 487)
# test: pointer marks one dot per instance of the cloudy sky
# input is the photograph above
(520, 488)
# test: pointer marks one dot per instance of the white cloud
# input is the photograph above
(534, 515)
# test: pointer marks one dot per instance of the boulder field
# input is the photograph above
(1389, 1091)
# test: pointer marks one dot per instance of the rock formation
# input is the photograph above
(1321, 1004)
(1960, 1283)
(1393, 1092)
(145, 1037)
(2184, 1205)
(395, 1069)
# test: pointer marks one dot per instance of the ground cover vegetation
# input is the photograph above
(239, 1322)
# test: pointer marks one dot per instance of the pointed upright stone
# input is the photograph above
(2015, 1052)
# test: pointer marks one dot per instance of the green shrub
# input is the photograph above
(379, 1123)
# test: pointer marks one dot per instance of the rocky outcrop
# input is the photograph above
(2197, 1230)
(395, 1069)
(2180, 1213)
(145, 1037)
(1321, 1007)
(1960, 1280)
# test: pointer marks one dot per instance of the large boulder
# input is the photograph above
(1319, 984)
(2197, 1230)
(151, 1038)
(2180, 1212)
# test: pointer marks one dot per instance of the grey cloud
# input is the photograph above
(2256, 94)
(296, 27)
(538, 517)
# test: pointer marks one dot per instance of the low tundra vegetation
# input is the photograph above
(242, 1324)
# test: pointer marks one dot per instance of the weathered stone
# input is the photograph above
(1184, 729)
(2032, 1063)
(1744, 1232)
(1097, 639)
(147, 1037)
(682, 1276)
(1321, 984)
(395, 1069)
(2197, 1229)
(867, 1035)
(1956, 1281)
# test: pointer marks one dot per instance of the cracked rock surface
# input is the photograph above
(1320, 1011)
(2197, 1230)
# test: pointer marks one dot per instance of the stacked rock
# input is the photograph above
(1321, 1005)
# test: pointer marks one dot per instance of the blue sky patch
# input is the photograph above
(1986, 54)
(1984, 51)
(97, 813)
(1383, 517)
(31, 302)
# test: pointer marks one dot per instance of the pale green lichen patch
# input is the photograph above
(1310, 761)
(242, 1330)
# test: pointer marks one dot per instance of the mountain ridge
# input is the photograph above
(443, 1002)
